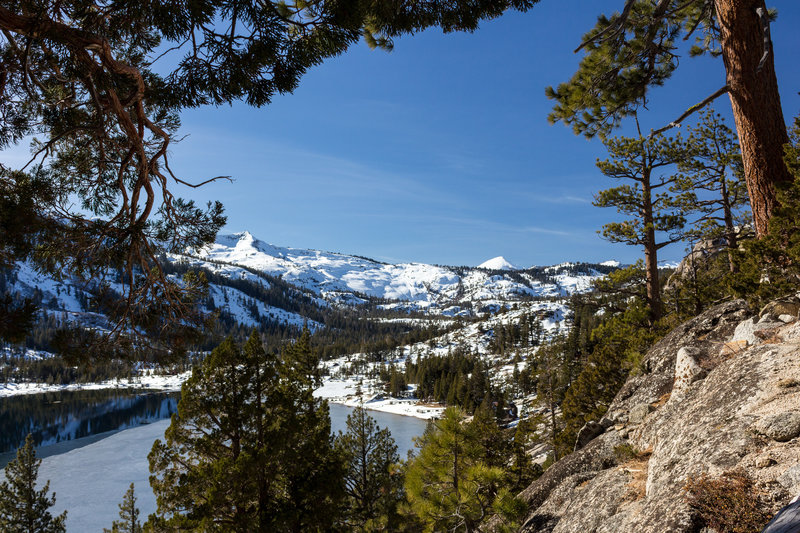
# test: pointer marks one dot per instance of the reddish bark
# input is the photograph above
(756, 104)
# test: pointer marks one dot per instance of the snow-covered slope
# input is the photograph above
(497, 263)
(255, 283)
(341, 278)
(327, 273)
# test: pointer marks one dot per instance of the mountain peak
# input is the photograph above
(497, 263)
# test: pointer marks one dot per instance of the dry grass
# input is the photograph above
(635, 463)
(662, 400)
(727, 504)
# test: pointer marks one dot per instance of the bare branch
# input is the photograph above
(677, 122)
(613, 28)
(764, 19)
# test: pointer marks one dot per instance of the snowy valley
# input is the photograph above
(412, 309)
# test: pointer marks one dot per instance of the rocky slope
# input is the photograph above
(719, 393)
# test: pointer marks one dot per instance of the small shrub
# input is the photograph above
(727, 504)
(788, 383)
(625, 452)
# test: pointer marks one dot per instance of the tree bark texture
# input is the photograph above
(650, 249)
(756, 104)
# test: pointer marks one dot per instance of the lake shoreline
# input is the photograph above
(329, 390)
(91, 477)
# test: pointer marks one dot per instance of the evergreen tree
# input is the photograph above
(619, 340)
(79, 77)
(250, 448)
(17, 316)
(636, 49)
(656, 213)
(712, 183)
(372, 483)
(551, 360)
(522, 470)
(128, 514)
(23, 509)
(449, 487)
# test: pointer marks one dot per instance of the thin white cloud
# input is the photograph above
(546, 231)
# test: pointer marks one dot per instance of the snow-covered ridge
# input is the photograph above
(341, 278)
(497, 263)
(256, 283)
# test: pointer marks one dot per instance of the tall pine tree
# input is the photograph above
(713, 183)
(372, 483)
(128, 514)
(637, 49)
(250, 448)
(23, 509)
(450, 486)
(648, 198)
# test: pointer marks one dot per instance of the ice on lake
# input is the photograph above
(91, 480)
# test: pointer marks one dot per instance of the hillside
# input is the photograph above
(255, 284)
(347, 279)
(719, 394)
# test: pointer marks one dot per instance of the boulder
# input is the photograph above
(639, 412)
(785, 306)
(687, 371)
(780, 427)
(748, 330)
(791, 479)
(590, 430)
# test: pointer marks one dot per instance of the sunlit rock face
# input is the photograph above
(709, 400)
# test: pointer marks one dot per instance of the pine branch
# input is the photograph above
(614, 28)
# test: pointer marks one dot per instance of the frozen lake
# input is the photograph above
(90, 480)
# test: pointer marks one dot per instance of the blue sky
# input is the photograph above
(440, 151)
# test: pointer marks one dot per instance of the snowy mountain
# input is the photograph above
(497, 263)
(347, 279)
(257, 284)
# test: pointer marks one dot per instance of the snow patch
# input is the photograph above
(497, 263)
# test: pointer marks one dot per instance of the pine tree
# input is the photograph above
(79, 78)
(636, 49)
(619, 340)
(23, 509)
(551, 361)
(448, 485)
(712, 183)
(250, 448)
(655, 213)
(372, 483)
(129, 515)
(523, 470)
(770, 266)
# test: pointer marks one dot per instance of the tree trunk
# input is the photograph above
(730, 230)
(650, 249)
(553, 428)
(756, 104)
